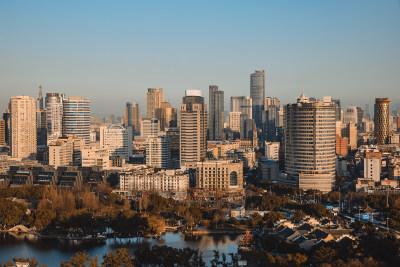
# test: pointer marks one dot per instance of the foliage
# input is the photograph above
(11, 213)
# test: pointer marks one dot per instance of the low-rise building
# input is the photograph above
(219, 175)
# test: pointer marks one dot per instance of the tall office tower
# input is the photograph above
(41, 131)
(149, 127)
(23, 127)
(76, 118)
(350, 115)
(310, 143)
(7, 125)
(155, 96)
(2, 132)
(381, 119)
(367, 110)
(158, 152)
(360, 115)
(193, 129)
(270, 121)
(350, 131)
(132, 115)
(271, 101)
(216, 113)
(117, 139)
(257, 94)
(40, 99)
(243, 104)
(54, 114)
(173, 137)
(167, 116)
(338, 109)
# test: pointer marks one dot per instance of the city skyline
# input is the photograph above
(111, 53)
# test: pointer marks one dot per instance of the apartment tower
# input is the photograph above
(54, 114)
(216, 113)
(193, 129)
(132, 115)
(23, 127)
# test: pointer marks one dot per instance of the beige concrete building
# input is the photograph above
(23, 127)
(65, 151)
(350, 132)
(155, 96)
(193, 129)
(219, 175)
(272, 150)
(149, 127)
(310, 128)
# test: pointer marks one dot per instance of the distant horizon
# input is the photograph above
(111, 52)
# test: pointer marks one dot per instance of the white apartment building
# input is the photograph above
(158, 152)
(117, 139)
(94, 156)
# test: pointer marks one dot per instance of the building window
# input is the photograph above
(233, 179)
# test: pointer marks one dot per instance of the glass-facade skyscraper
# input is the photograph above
(257, 93)
(76, 118)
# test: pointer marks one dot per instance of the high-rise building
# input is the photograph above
(41, 131)
(338, 109)
(367, 110)
(158, 152)
(350, 115)
(234, 121)
(155, 96)
(242, 104)
(310, 151)
(257, 94)
(132, 115)
(216, 113)
(193, 129)
(167, 116)
(341, 146)
(7, 125)
(381, 118)
(65, 151)
(23, 127)
(149, 127)
(350, 131)
(173, 137)
(117, 139)
(2, 132)
(76, 118)
(272, 150)
(360, 115)
(54, 114)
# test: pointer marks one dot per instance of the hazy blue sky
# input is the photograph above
(111, 51)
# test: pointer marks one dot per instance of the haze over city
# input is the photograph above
(111, 52)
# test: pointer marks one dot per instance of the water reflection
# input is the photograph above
(51, 251)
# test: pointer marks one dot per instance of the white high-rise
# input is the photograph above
(54, 113)
(76, 118)
(158, 152)
(23, 127)
(117, 139)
